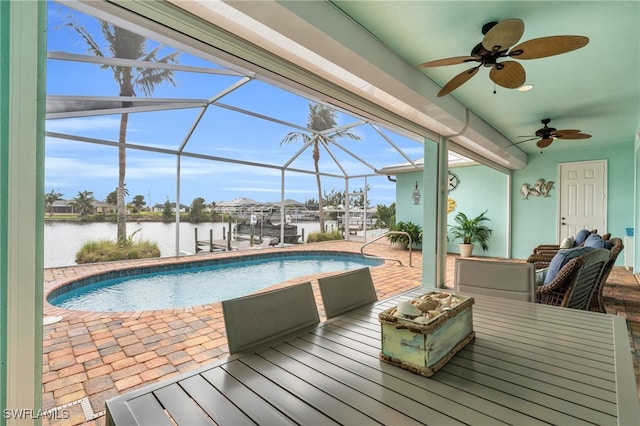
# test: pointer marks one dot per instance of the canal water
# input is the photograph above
(62, 240)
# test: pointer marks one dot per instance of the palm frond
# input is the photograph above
(93, 47)
(295, 136)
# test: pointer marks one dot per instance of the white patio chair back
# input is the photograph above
(257, 319)
(508, 280)
(346, 291)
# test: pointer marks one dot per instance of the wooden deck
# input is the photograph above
(529, 364)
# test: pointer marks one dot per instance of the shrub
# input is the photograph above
(107, 250)
(316, 237)
(411, 228)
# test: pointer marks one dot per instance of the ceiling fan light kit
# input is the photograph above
(497, 44)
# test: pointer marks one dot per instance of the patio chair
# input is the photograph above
(597, 303)
(508, 280)
(574, 284)
(257, 319)
(346, 291)
(543, 255)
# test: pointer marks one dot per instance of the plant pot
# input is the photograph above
(465, 249)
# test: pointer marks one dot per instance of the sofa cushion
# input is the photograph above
(597, 242)
(561, 258)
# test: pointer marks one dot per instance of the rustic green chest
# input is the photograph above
(424, 348)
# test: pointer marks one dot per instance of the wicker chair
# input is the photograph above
(597, 303)
(575, 283)
(542, 255)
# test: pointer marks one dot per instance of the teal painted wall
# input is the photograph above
(535, 219)
(406, 210)
(482, 188)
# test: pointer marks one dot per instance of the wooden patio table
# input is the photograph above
(528, 364)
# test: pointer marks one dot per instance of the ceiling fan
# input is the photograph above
(548, 134)
(498, 38)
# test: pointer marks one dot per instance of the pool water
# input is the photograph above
(199, 285)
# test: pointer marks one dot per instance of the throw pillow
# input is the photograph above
(561, 258)
(581, 236)
(567, 243)
(597, 242)
(540, 276)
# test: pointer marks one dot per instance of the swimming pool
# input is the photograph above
(197, 283)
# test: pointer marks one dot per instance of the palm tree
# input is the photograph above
(320, 118)
(124, 44)
(138, 202)
(83, 202)
(50, 199)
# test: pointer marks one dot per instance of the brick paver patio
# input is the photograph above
(90, 357)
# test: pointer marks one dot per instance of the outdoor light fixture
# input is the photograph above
(416, 195)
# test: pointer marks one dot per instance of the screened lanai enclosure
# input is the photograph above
(192, 124)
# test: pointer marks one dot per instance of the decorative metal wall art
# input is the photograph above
(454, 181)
(540, 188)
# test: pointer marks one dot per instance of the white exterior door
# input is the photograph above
(583, 197)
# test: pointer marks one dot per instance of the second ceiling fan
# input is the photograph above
(497, 42)
(548, 134)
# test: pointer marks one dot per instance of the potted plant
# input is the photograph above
(414, 231)
(471, 231)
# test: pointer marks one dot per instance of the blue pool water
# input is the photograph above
(199, 284)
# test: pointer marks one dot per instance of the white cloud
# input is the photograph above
(72, 125)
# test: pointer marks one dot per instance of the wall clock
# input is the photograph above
(454, 181)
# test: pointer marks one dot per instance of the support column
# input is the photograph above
(430, 221)
(22, 108)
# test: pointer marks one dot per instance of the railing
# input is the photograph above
(388, 258)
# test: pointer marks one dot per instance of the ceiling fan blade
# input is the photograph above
(458, 81)
(503, 35)
(526, 140)
(547, 46)
(572, 136)
(448, 61)
(564, 133)
(509, 74)
(543, 143)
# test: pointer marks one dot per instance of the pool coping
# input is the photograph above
(123, 268)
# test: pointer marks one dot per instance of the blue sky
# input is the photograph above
(72, 166)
